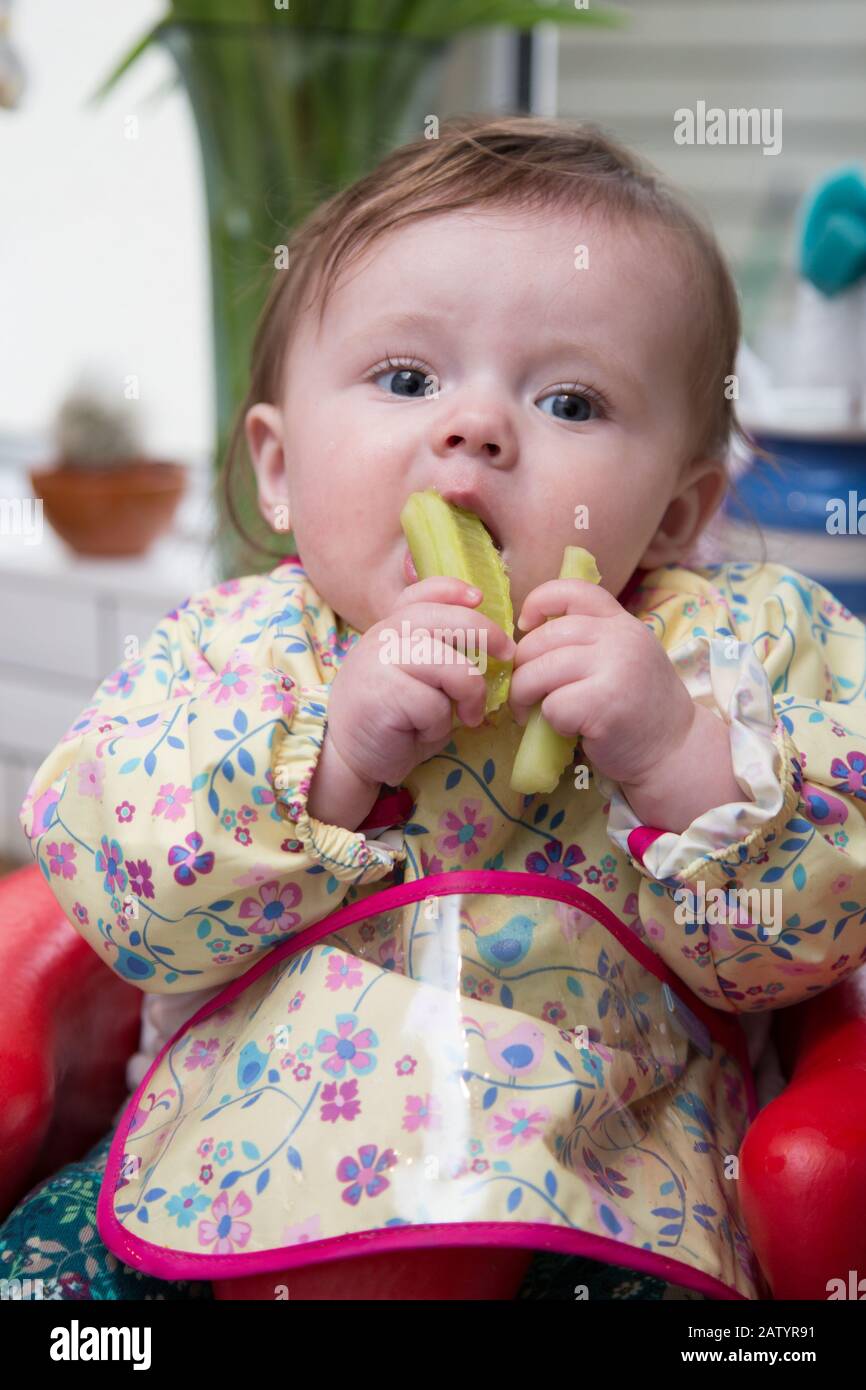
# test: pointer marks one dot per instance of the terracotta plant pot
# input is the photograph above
(115, 509)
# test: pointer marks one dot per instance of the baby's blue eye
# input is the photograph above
(408, 381)
(574, 407)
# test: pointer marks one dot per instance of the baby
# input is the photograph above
(518, 315)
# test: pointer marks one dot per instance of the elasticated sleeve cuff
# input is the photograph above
(349, 855)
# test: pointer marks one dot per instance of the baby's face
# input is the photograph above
(533, 381)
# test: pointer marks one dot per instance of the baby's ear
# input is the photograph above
(263, 427)
(698, 496)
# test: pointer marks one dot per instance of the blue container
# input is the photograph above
(811, 505)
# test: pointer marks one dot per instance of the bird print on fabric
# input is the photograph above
(517, 1053)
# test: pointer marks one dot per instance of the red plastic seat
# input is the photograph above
(803, 1160)
(69, 1024)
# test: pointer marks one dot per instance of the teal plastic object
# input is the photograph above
(833, 240)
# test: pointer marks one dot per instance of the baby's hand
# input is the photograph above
(386, 716)
(600, 673)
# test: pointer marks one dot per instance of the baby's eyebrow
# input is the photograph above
(607, 363)
(407, 321)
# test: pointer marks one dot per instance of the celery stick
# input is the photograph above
(543, 754)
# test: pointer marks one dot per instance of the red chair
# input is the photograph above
(69, 1024)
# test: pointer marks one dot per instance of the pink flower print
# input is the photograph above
(428, 865)
(252, 600)
(190, 861)
(272, 695)
(554, 863)
(553, 1012)
(347, 1047)
(109, 861)
(125, 812)
(172, 801)
(609, 883)
(364, 1173)
(575, 923)
(259, 873)
(422, 1112)
(340, 1101)
(243, 836)
(60, 859)
(391, 956)
(205, 1148)
(205, 1174)
(122, 681)
(271, 909)
(90, 775)
(247, 815)
(140, 880)
(630, 910)
(519, 1126)
(609, 1179)
(302, 1072)
(721, 939)
(593, 874)
(230, 684)
(279, 695)
(226, 1231)
(654, 930)
(296, 1001)
(463, 830)
(304, 1231)
(343, 972)
(405, 1065)
(80, 913)
(42, 808)
(228, 586)
(202, 1054)
(853, 773)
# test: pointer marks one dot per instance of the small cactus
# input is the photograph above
(89, 432)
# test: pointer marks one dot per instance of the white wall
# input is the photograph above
(103, 240)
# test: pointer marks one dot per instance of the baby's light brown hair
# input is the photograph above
(512, 161)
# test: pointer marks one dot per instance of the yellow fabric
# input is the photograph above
(171, 823)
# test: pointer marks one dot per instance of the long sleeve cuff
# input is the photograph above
(726, 676)
(348, 855)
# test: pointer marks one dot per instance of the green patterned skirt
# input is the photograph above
(51, 1235)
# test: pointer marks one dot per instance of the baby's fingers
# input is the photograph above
(436, 663)
(557, 597)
